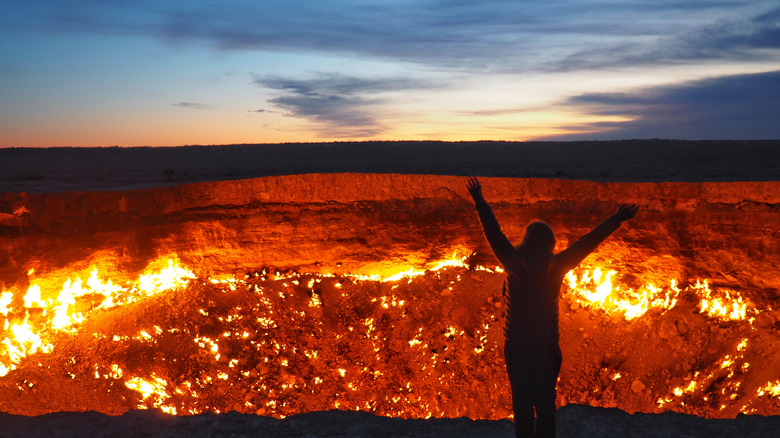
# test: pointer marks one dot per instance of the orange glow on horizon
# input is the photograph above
(215, 128)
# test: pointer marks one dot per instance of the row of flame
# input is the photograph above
(31, 320)
(727, 367)
(41, 317)
(595, 288)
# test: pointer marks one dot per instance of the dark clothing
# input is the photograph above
(531, 292)
(534, 277)
(533, 372)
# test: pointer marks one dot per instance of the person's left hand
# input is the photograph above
(627, 211)
(475, 189)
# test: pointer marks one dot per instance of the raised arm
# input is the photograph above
(501, 246)
(576, 252)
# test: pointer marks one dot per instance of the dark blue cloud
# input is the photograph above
(755, 37)
(730, 107)
(344, 105)
(474, 35)
(337, 84)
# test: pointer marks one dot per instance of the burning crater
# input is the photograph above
(292, 294)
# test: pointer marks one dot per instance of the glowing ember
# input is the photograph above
(280, 343)
(770, 389)
(152, 391)
(721, 373)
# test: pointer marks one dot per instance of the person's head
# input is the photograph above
(538, 235)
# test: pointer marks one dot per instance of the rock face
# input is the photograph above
(332, 232)
(312, 222)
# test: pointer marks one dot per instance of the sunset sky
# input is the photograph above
(176, 72)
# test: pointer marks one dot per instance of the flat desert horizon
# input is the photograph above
(42, 170)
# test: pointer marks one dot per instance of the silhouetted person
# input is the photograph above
(534, 275)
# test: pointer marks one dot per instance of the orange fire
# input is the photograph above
(239, 348)
(595, 289)
(41, 318)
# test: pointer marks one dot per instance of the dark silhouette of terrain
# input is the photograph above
(115, 168)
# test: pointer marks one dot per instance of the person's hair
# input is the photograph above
(538, 235)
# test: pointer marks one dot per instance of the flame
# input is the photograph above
(6, 298)
(593, 288)
(21, 342)
(152, 390)
(33, 297)
(456, 259)
(31, 320)
(31, 336)
(66, 298)
(722, 370)
(171, 277)
(771, 389)
(723, 304)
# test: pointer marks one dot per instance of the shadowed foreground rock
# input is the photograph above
(574, 421)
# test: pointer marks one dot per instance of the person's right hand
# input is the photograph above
(627, 211)
(475, 189)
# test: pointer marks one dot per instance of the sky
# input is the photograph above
(179, 72)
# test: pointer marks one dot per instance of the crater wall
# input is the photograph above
(325, 309)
